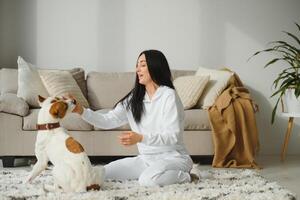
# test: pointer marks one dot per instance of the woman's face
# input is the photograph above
(142, 71)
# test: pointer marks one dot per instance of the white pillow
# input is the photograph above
(59, 83)
(30, 84)
(190, 88)
(217, 83)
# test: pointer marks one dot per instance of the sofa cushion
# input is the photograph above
(77, 73)
(29, 83)
(106, 89)
(195, 119)
(11, 103)
(71, 122)
(60, 83)
(178, 73)
(8, 81)
(79, 76)
(189, 89)
(217, 83)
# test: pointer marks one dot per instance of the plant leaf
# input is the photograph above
(258, 52)
(297, 26)
(283, 49)
(297, 92)
(275, 108)
(278, 59)
(284, 85)
(272, 62)
(286, 44)
(293, 36)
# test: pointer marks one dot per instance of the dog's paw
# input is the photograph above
(28, 180)
(48, 188)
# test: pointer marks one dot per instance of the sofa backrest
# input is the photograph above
(105, 89)
(9, 80)
(0, 80)
(177, 73)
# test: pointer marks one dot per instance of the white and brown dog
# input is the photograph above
(72, 169)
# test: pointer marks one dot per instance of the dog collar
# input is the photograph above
(48, 126)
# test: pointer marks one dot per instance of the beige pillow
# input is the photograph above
(217, 83)
(62, 83)
(190, 88)
(79, 76)
(10, 103)
(77, 73)
(29, 83)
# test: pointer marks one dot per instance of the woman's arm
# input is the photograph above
(114, 118)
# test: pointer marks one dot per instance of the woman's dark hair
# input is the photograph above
(160, 73)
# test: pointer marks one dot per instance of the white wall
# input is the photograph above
(107, 35)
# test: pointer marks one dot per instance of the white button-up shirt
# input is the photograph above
(162, 123)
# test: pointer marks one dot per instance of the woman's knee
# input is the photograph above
(164, 178)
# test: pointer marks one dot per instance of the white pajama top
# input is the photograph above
(161, 125)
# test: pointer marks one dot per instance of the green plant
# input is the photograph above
(289, 77)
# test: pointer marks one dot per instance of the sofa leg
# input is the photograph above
(8, 161)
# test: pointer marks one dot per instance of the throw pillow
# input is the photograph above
(77, 73)
(29, 83)
(79, 76)
(217, 83)
(61, 83)
(190, 88)
(11, 103)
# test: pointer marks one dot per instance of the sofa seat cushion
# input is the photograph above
(195, 119)
(71, 122)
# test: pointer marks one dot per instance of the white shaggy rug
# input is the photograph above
(214, 184)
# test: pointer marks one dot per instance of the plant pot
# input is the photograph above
(292, 103)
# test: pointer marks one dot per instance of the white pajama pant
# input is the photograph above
(152, 170)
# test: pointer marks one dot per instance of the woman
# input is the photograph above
(156, 117)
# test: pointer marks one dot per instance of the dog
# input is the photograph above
(72, 169)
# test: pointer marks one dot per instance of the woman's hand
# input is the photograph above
(78, 107)
(128, 138)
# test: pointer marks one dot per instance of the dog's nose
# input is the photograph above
(74, 101)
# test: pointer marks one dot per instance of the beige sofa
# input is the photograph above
(17, 133)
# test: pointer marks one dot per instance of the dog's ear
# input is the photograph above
(58, 109)
(41, 99)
